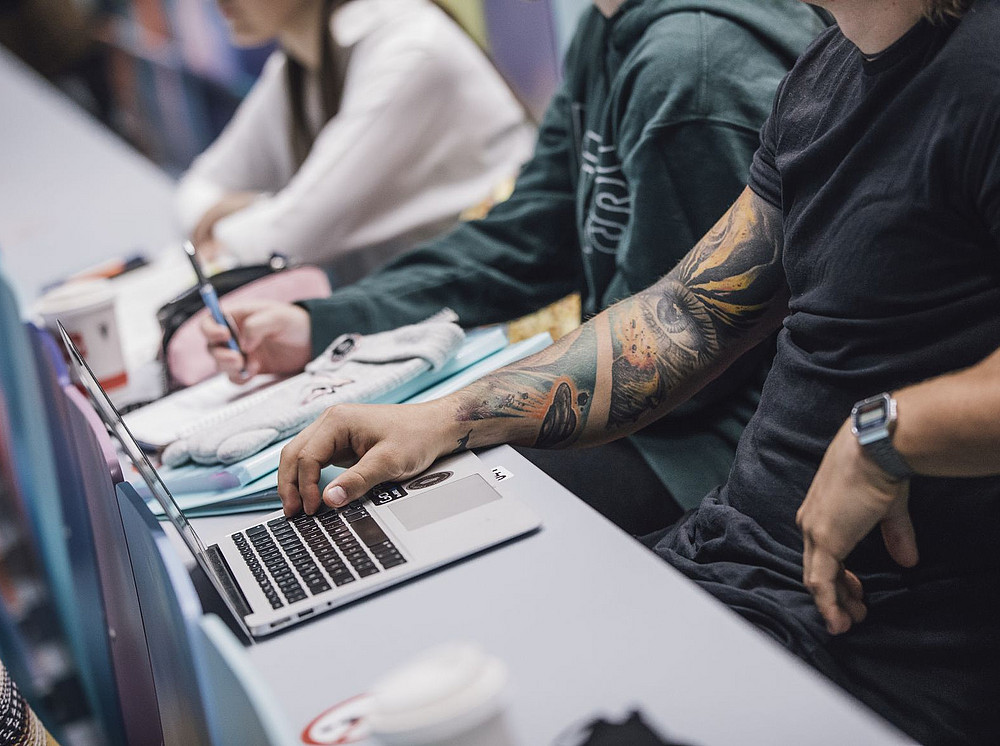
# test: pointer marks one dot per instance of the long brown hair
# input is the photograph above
(332, 73)
(938, 10)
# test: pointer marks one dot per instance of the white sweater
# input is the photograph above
(426, 128)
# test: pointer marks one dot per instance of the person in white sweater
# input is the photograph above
(371, 127)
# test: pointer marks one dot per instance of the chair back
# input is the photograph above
(36, 476)
(100, 472)
(239, 703)
(170, 611)
(21, 576)
(73, 476)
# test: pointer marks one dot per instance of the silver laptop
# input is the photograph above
(277, 572)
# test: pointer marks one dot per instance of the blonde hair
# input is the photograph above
(938, 10)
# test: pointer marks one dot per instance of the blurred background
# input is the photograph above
(163, 75)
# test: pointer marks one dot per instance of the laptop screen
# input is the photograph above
(114, 422)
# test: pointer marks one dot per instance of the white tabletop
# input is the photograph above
(589, 622)
(71, 193)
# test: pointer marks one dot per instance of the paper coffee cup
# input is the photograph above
(451, 695)
(87, 309)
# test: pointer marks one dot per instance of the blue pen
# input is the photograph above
(211, 299)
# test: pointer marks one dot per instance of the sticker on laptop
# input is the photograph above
(384, 493)
(447, 469)
(429, 480)
(500, 474)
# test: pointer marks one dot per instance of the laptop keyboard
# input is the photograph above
(294, 558)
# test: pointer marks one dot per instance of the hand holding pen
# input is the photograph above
(211, 300)
(275, 336)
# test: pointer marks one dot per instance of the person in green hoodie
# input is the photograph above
(645, 144)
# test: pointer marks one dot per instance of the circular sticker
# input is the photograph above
(345, 722)
(429, 480)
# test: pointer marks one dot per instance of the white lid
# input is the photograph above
(75, 296)
(437, 695)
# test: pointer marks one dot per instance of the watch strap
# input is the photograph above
(883, 453)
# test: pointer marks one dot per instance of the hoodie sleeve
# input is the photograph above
(698, 87)
(686, 136)
(687, 145)
(518, 258)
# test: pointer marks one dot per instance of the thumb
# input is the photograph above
(897, 531)
(372, 469)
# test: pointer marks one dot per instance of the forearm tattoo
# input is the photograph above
(657, 340)
(463, 443)
(557, 387)
(681, 324)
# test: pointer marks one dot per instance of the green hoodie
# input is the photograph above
(644, 146)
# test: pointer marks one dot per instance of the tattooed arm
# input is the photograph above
(647, 354)
(616, 373)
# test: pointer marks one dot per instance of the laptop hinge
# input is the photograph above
(228, 581)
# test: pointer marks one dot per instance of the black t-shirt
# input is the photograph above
(887, 173)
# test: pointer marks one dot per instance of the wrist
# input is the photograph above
(443, 428)
(873, 424)
(475, 421)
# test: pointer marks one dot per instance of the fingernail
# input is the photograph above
(336, 496)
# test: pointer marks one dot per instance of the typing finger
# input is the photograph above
(288, 469)
(309, 468)
(325, 441)
(288, 479)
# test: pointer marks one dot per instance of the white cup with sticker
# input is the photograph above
(451, 695)
(87, 309)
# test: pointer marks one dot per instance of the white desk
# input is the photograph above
(72, 194)
(589, 623)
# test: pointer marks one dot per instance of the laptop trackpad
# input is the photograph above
(448, 500)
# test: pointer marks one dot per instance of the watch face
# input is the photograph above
(872, 413)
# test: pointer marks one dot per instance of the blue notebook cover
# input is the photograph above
(230, 481)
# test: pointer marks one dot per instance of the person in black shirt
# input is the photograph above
(870, 236)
